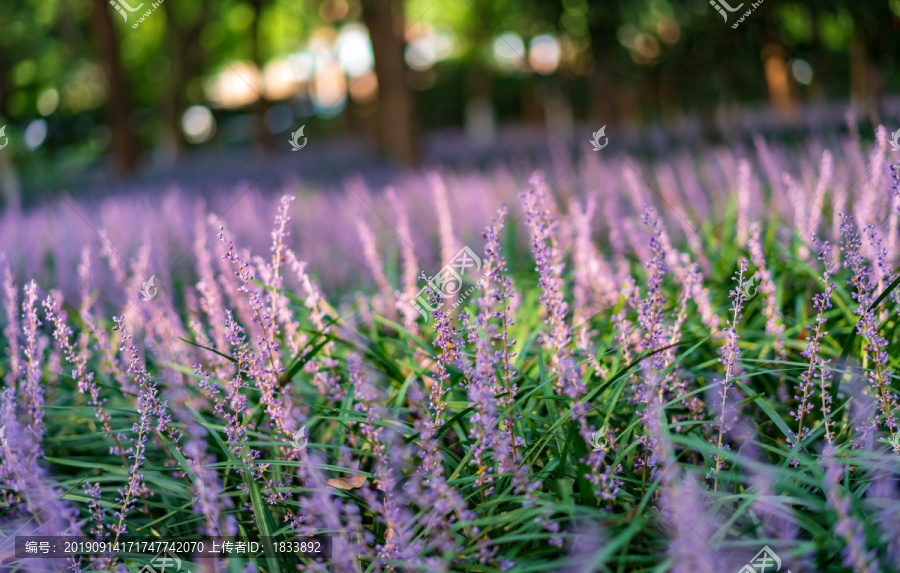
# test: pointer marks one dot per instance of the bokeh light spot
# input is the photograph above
(198, 123)
(48, 102)
(802, 71)
(35, 133)
(543, 55)
(508, 50)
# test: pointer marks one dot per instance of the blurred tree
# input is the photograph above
(9, 181)
(873, 38)
(261, 105)
(781, 86)
(188, 57)
(125, 144)
(606, 86)
(618, 59)
(860, 32)
(396, 111)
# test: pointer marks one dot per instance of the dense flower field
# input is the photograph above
(683, 364)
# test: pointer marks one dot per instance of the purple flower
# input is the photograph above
(692, 527)
(651, 316)
(499, 294)
(449, 244)
(32, 391)
(549, 265)
(448, 345)
(730, 359)
(148, 406)
(408, 255)
(774, 322)
(323, 368)
(209, 500)
(11, 331)
(367, 403)
(96, 510)
(682, 510)
(848, 527)
(25, 481)
(264, 366)
(85, 380)
(869, 325)
(806, 388)
(386, 305)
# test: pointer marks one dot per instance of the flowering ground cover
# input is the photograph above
(600, 364)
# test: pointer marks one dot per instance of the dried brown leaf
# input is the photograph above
(351, 482)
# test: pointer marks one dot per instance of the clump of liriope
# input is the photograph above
(586, 386)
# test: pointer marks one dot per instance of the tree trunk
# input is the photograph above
(10, 189)
(782, 91)
(478, 113)
(5, 89)
(125, 144)
(261, 105)
(396, 112)
(610, 101)
(866, 81)
(10, 184)
(187, 64)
